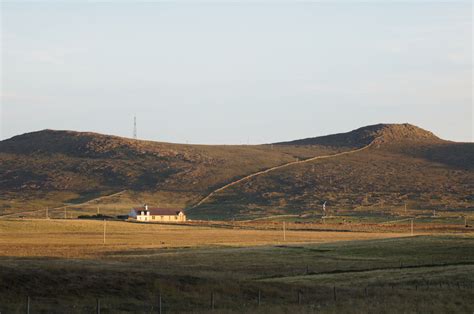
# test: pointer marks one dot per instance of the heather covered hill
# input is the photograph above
(366, 135)
(402, 164)
(48, 168)
(372, 181)
(405, 165)
(455, 155)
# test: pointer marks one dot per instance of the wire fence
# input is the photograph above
(250, 302)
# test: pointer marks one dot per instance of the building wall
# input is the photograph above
(164, 218)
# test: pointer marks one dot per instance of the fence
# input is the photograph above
(215, 301)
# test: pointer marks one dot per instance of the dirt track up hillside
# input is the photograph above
(202, 201)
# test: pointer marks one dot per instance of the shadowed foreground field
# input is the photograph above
(64, 267)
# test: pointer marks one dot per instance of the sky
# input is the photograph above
(235, 72)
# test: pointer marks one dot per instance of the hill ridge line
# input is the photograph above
(255, 174)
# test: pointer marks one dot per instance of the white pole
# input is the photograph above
(104, 230)
(105, 226)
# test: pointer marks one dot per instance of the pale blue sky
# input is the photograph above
(229, 72)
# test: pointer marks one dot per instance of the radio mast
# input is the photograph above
(135, 127)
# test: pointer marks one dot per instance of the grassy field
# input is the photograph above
(64, 266)
(85, 238)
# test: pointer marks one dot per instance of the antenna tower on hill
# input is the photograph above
(135, 127)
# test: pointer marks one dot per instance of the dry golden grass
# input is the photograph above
(84, 238)
(64, 266)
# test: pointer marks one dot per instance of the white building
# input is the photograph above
(148, 214)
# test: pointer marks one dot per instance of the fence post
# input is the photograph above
(98, 306)
(159, 302)
(259, 297)
(299, 297)
(212, 300)
(28, 305)
(366, 292)
(334, 293)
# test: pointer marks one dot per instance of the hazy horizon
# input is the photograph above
(235, 73)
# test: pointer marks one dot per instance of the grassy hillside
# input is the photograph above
(404, 165)
(373, 180)
(366, 135)
(49, 168)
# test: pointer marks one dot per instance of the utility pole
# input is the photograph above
(405, 208)
(412, 226)
(65, 212)
(284, 231)
(104, 230)
(47, 216)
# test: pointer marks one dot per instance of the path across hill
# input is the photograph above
(202, 201)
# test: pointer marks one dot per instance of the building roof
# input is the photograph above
(160, 211)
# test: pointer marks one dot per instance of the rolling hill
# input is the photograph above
(382, 166)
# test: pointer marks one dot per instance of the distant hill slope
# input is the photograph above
(47, 168)
(365, 135)
(405, 165)
(50, 168)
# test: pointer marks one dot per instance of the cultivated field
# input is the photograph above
(64, 266)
